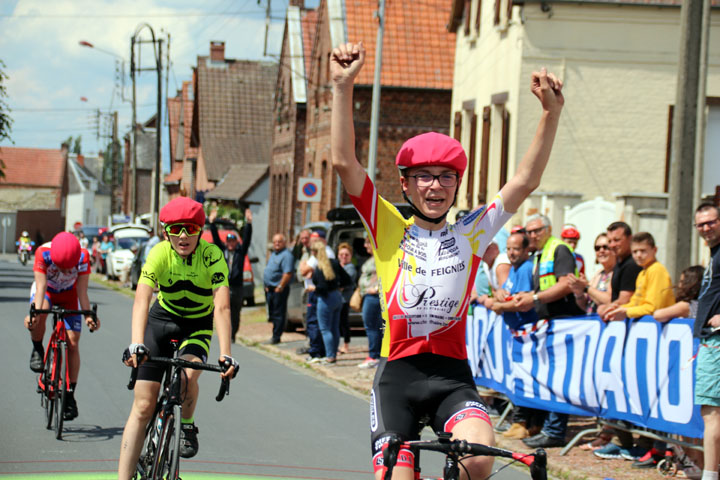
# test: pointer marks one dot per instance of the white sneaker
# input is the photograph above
(312, 360)
(369, 363)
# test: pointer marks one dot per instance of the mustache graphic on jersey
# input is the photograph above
(423, 296)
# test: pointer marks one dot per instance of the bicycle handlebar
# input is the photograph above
(181, 362)
(537, 461)
(60, 312)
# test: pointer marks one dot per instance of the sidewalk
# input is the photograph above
(576, 465)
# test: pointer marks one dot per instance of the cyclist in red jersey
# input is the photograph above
(426, 268)
(62, 270)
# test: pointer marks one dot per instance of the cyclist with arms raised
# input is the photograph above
(191, 275)
(62, 272)
(426, 268)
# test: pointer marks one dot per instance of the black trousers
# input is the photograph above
(277, 309)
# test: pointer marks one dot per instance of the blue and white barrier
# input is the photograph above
(641, 371)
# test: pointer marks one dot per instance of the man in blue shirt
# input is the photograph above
(519, 280)
(526, 421)
(278, 273)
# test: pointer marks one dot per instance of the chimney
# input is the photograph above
(81, 160)
(298, 3)
(64, 149)
(217, 51)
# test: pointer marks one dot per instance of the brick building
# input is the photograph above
(416, 93)
(223, 118)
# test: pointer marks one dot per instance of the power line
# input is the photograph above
(141, 15)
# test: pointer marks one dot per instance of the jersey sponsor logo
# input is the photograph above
(211, 256)
(446, 244)
(218, 277)
(423, 297)
(149, 275)
(380, 442)
(373, 412)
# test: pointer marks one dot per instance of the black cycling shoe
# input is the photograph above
(71, 410)
(188, 440)
(36, 361)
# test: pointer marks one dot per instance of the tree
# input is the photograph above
(5, 120)
(75, 148)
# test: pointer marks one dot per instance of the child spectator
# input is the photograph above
(653, 287)
(686, 294)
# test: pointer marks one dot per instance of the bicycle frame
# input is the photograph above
(159, 457)
(455, 450)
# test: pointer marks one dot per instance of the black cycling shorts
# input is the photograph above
(194, 335)
(421, 389)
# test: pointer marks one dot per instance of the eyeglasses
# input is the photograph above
(535, 231)
(601, 247)
(444, 179)
(190, 229)
(708, 224)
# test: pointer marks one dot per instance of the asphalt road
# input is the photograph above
(278, 422)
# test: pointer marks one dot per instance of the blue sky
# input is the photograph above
(55, 86)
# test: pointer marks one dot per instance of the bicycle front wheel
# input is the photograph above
(167, 458)
(61, 389)
(46, 395)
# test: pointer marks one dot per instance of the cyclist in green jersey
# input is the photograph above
(191, 275)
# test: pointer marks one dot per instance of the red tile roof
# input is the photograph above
(174, 108)
(418, 51)
(176, 174)
(187, 119)
(36, 167)
(308, 20)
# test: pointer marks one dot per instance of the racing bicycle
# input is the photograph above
(160, 455)
(54, 380)
(455, 450)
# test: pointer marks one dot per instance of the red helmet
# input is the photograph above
(432, 149)
(65, 250)
(569, 231)
(182, 209)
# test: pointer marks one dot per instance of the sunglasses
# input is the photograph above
(601, 247)
(190, 229)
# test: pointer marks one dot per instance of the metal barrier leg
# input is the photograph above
(576, 439)
(505, 413)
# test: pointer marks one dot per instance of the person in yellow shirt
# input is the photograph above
(653, 287)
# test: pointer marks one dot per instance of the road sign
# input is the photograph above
(309, 189)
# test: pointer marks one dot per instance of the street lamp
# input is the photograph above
(133, 69)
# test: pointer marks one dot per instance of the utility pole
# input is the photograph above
(684, 137)
(158, 69)
(701, 124)
(375, 108)
(114, 163)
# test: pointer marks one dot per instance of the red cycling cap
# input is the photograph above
(182, 210)
(65, 250)
(569, 231)
(432, 149)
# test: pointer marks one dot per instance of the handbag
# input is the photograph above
(356, 300)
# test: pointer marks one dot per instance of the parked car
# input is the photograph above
(343, 225)
(224, 228)
(126, 239)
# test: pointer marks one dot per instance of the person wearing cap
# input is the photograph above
(235, 254)
(62, 270)
(426, 268)
(571, 235)
(191, 277)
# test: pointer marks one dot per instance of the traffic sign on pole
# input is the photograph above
(309, 189)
